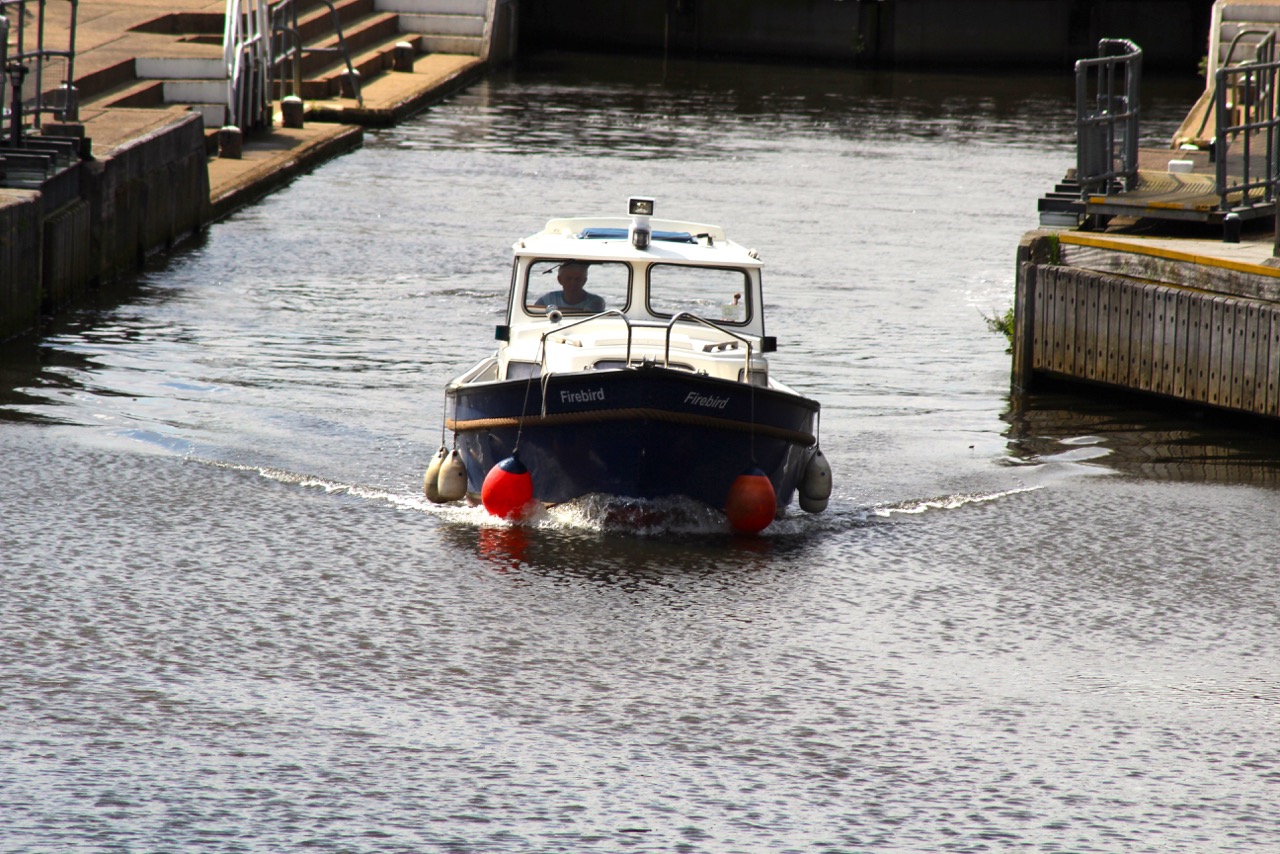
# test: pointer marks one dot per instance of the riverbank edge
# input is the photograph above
(1195, 321)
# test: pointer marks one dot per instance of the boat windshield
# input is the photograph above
(577, 286)
(721, 294)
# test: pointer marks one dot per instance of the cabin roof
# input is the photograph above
(607, 238)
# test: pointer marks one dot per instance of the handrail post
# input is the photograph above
(39, 97)
(1221, 122)
(71, 106)
(17, 73)
(4, 63)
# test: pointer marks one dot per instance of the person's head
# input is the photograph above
(572, 276)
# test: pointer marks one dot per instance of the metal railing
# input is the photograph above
(263, 51)
(690, 317)
(1245, 149)
(288, 50)
(22, 62)
(1264, 50)
(1107, 112)
(246, 53)
(681, 317)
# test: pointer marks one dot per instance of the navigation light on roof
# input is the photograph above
(640, 208)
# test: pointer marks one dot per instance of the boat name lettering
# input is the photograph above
(584, 396)
(706, 400)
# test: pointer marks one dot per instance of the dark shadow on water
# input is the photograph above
(686, 110)
(35, 367)
(1145, 437)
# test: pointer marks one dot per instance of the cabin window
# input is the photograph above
(523, 370)
(718, 294)
(577, 287)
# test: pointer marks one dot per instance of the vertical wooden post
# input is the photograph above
(1032, 251)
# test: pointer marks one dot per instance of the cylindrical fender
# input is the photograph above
(431, 480)
(815, 483)
(452, 482)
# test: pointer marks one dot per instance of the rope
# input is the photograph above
(796, 437)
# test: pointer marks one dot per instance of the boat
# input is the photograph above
(631, 364)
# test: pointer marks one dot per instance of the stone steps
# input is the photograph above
(187, 67)
(446, 26)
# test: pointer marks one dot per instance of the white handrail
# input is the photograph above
(246, 53)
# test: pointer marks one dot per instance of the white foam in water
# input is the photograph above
(946, 502)
(597, 513)
(637, 516)
(408, 501)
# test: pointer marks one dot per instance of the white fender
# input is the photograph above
(431, 479)
(815, 483)
(452, 482)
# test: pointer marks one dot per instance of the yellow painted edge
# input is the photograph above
(1077, 239)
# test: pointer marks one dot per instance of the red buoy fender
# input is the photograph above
(751, 504)
(507, 489)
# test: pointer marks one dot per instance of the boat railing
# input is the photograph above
(689, 316)
(1107, 108)
(612, 312)
(684, 316)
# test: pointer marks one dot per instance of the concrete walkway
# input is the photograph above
(112, 34)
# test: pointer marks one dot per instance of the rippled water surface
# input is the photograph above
(230, 623)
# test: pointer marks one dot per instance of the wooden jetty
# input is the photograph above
(1154, 270)
(1195, 320)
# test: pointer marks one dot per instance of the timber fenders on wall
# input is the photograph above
(1110, 311)
(982, 33)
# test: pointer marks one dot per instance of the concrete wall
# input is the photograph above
(1045, 32)
(20, 256)
(1051, 33)
(146, 195)
(137, 199)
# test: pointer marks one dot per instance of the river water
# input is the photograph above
(230, 623)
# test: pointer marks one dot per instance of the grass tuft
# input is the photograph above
(1002, 324)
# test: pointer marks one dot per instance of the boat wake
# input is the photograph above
(604, 514)
(592, 513)
(406, 501)
(637, 517)
(946, 502)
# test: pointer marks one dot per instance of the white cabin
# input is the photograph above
(681, 295)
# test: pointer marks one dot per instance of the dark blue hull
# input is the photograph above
(643, 432)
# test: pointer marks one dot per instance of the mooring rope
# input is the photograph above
(797, 437)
